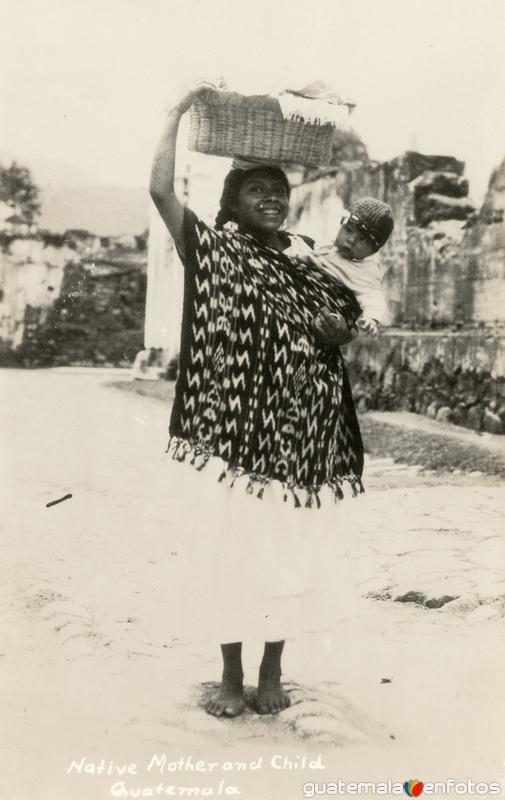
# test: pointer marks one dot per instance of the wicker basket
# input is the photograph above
(229, 124)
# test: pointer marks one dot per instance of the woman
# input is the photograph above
(260, 401)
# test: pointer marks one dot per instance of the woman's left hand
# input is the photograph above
(188, 92)
(332, 329)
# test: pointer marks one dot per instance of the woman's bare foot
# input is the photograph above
(271, 697)
(229, 701)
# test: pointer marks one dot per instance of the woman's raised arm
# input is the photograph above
(161, 186)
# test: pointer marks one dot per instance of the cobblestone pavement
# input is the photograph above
(409, 674)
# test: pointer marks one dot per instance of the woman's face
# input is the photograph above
(262, 203)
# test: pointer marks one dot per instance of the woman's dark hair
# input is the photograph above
(231, 188)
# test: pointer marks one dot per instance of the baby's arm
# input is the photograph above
(375, 313)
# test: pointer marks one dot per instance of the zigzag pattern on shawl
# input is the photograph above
(254, 386)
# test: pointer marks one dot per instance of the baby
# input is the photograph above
(353, 260)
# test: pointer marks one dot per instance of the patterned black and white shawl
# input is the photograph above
(254, 386)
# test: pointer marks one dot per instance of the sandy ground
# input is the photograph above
(94, 680)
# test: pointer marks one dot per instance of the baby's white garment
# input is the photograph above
(298, 247)
(363, 278)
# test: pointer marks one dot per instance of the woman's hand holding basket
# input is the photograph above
(188, 92)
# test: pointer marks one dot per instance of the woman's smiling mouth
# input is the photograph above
(270, 210)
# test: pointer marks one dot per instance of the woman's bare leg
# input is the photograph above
(271, 697)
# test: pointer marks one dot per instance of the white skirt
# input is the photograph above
(256, 568)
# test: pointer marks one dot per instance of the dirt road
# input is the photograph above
(407, 681)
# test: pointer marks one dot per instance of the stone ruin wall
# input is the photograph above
(74, 299)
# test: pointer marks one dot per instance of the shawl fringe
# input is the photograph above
(180, 449)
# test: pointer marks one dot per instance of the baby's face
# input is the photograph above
(352, 243)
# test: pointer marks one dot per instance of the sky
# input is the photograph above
(86, 81)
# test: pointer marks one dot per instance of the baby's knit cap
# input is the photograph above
(375, 218)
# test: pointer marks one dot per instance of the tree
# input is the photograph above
(18, 190)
